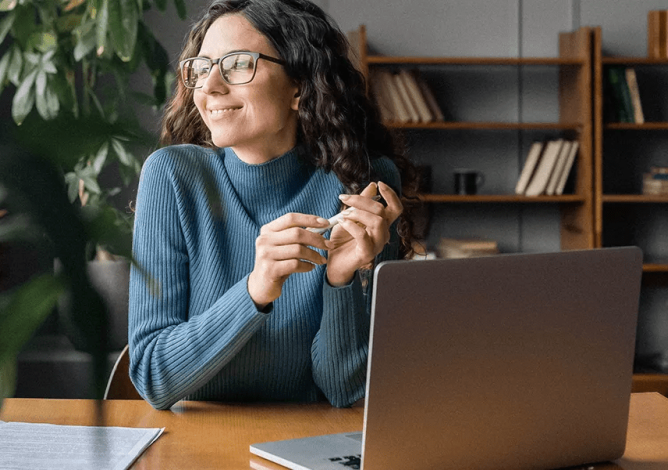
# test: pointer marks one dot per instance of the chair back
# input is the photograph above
(120, 387)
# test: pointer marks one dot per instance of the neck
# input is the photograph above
(258, 152)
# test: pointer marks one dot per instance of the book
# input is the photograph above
(383, 100)
(406, 98)
(655, 182)
(390, 90)
(558, 168)
(420, 103)
(634, 92)
(538, 183)
(653, 33)
(663, 34)
(566, 171)
(529, 166)
(466, 247)
(620, 93)
(430, 99)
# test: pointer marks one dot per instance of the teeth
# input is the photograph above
(220, 111)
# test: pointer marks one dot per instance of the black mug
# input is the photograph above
(468, 181)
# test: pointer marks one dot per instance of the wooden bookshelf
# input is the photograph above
(502, 126)
(510, 61)
(501, 198)
(575, 119)
(654, 270)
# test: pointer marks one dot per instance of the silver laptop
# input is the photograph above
(505, 362)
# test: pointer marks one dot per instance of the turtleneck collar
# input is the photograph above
(266, 189)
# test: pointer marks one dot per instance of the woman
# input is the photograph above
(270, 131)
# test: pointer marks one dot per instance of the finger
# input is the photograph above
(357, 232)
(295, 219)
(291, 266)
(394, 207)
(294, 235)
(376, 227)
(362, 202)
(370, 191)
(298, 252)
(369, 220)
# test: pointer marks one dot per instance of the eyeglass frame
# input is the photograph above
(256, 56)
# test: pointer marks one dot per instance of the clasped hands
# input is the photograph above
(285, 247)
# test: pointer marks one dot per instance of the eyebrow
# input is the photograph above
(229, 52)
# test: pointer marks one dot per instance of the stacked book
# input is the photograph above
(655, 182)
(547, 167)
(622, 96)
(404, 97)
(466, 247)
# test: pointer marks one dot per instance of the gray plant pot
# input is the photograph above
(111, 279)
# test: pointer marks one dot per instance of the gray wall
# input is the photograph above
(500, 28)
(474, 28)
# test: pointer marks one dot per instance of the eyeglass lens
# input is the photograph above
(235, 69)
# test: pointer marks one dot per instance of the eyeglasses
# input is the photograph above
(235, 68)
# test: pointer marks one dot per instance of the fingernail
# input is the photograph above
(344, 197)
(321, 221)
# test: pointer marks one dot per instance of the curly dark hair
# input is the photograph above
(338, 123)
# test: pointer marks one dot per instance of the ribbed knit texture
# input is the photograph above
(194, 331)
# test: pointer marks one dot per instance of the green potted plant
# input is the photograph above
(67, 65)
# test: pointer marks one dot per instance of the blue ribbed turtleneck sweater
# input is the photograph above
(194, 331)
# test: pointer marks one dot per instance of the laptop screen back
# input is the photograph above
(512, 361)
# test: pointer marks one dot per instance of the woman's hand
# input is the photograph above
(362, 234)
(281, 250)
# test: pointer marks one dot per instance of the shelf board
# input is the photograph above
(400, 60)
(655, 267)
(490, 125)
(637, 127)
(634, 198)
(633, 61)
(504, 198)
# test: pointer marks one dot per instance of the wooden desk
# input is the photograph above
(214, 435)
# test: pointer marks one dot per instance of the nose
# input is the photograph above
(214, 83)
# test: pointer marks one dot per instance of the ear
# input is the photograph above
(295, 100)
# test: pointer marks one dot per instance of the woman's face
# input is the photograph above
(257, 119)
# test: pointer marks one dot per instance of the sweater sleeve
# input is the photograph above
(341, 347)
(174, 353)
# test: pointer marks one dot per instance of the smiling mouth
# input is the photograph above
(218, 112)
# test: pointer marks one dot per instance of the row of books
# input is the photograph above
(655, 182)
(404, 97)
(466, 247)
(547, 167)
(657, 34)
(622, 96)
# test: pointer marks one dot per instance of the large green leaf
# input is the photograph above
(123, 20)
(15, 65)
(85, 41)
(181, 8)
(89, 178)
(6, 25)
(102, 24)
(4, 66)
(43, 41)
(24, 99)
(47, 103)
(7, 5)
(25, 309)
(7, 378)
(24, 24)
